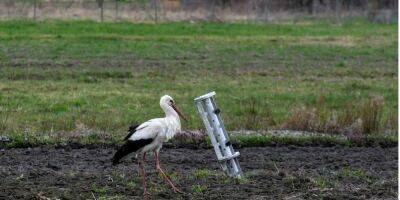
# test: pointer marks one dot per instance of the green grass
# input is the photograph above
(99, 190)
(20, 141)
(348, 172)
(317, 140)
(319, 182)
(198, 188)
(203, 173)
(57, 76)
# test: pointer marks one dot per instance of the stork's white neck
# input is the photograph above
(169, 111)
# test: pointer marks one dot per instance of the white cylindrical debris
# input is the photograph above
(226, 156)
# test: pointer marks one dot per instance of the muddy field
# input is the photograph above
(272, 173)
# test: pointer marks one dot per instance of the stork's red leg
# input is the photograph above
(142, 173)
(165, 176)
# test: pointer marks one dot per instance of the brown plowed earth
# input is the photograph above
(272, 173)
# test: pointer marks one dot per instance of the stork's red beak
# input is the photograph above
(179, 112)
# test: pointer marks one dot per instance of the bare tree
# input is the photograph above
(156, 10)
(315, 6)
(338, 7)
(101, 5)
(9, 4)
(116, 9)
(34, 8)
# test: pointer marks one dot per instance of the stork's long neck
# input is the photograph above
(171, 120)
(169, 111)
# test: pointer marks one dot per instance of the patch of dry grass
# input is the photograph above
(356, 119)
(256, 114)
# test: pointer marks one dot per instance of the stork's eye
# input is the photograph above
(172, 101)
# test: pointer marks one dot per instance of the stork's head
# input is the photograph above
(167, 102)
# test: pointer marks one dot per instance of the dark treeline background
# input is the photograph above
(210, 10)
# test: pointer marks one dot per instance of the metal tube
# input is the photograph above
(218, 135)
(209, 130)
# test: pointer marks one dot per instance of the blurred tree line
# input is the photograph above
(376, 10)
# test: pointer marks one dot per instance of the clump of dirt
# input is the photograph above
(290, 172)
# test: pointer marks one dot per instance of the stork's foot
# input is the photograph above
(176, 190)
(145, 193)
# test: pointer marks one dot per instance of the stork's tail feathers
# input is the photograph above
(129, 147)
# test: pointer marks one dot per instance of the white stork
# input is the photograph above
(150, 136)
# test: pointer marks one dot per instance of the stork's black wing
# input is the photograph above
(129, 147)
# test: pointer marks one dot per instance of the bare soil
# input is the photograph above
(272, 173)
